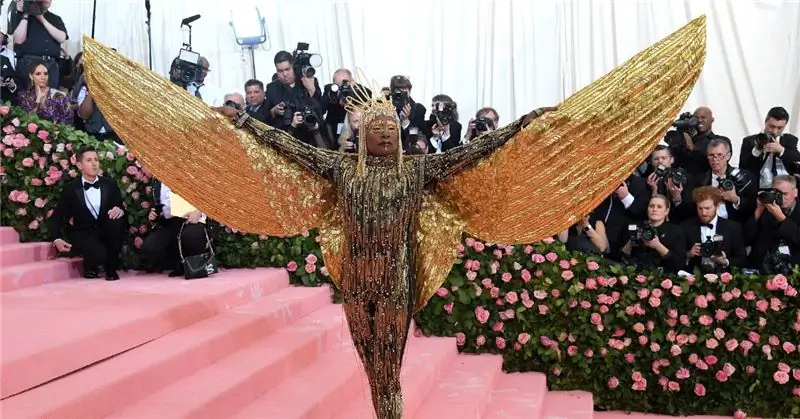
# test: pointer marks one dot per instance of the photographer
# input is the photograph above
(671, 182)
(774, 231)
(770, 153)
(737, 186)
(656, 243)
(690, 148)
(627, 205)
(715, 244)
(443, 128)
(38, 35)
(486, 120)
(93, 120)
(256, 107)
(412, 114)
(348, 138)
(287, 99)
(588, 236)
(335, 98)
(8, 85)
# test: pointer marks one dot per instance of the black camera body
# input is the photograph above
(713, 246)
(309, 116)
(765, 138)
(399, 98)
(305, 63)
(771, 196)
(339, 94)
(186, 67)
(735, 179)
(483, 124)
(778, 263)
(648, 233)
(444, 113)
(33, 7)
(677, 175)
(688, 123)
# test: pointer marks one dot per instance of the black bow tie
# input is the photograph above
(87, 186)
(708, 226)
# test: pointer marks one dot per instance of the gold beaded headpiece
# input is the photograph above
(371, 107)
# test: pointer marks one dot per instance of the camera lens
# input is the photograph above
(188, 75)
(309, 71)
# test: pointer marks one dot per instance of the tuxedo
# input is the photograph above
(260, 112)
(617, 214)
(7, 70)
(160, 247)
(766, 236)
(93, 235)
(732, 244)
(449, 141)
(747, 191)
(789, 160)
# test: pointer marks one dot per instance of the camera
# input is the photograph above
(735, 179)
(648, 233)
(677, 175)
(33, 7)
(711, 247)
(483, 124)
(687, 123)
(778, 263)
(309, 116)
(443, 113)
(765, 138)
(399, 98)
(305, 63)
(771, 196)
(338, 93)
(186, 67)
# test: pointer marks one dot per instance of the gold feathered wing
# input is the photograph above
(179, 139)
(564, 164)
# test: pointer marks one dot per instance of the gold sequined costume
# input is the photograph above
(389, 226)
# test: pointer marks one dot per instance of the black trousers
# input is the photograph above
(100, 245)
(160, 247)
(23, 67)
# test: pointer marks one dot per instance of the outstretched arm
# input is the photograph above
(440, 166)
(318, 160)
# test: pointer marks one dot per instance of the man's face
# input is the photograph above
(718, 157)
(340, 77)
(89, 164)
(662, 158)
(704, 119)
(237, 99)
(285, 72)
(706, 210)
(789, 193)
(204, 72)
(382, 137)
(255, 95)
(774, 127)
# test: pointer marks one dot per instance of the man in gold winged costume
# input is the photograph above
(390, 224)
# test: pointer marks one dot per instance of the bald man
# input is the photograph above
(333, 102)
(205, 91)
(693, 158)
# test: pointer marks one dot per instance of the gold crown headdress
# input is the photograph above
(371, 106)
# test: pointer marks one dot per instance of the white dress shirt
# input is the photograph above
(166, 209)
(209, 93)
(81, 98)
(91, 197)
(706, 232)
(722, 210)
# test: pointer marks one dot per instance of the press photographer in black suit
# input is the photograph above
(697, 132)
(412, 114)
(38, 37)
(334, 99)
(95, 205)
(443, 128)
(771, 153)
(736, 185)
(672, 182)
(256, 97)
(715, 244)
(655, 243)
(774, 231)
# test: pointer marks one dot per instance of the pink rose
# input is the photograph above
(537, 258)
(721, 376)
(311, 259)
(448, 308)
(739, 414)
(699, 390)
(480, 341)
(762, 306)
(700, 301)
(43, 135)
(500, 342)
(441, 292)
(592, 265)
(482, 315)
(506, 277)
(479, 247)
(32, 127)
(4, 110)
(682, 374)
(311, 268)
(27, 162)
(780, 377)
(729, 369)
(511, 297)
(523, 338)
(674, 386)
(551, 257)
(613, 383)
(731, 344)
(291, 266)
(789, 347)
(460, 339)
(666, 284)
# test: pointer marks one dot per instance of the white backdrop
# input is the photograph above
(513, 55)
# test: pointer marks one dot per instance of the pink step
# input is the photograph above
(130, 377)
(464, 389)
(38, 273)
(568, 405)
(517, 396)
(21, 253)
(634, 415)
(54, 329)
(243, 377)
(426, 360)
(8, 235)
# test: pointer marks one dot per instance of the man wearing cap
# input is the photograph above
(412, 114)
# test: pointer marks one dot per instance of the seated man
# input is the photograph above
(160, 247)
(715, 244)
(774, 231)
(95, 206)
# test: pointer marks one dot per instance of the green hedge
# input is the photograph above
(638, 341)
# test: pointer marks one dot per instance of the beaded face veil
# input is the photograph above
(371, 107)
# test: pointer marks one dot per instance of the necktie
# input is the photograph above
(197, 93)
(87, 186)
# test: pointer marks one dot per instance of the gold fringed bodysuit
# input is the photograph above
(389, 227)
(380, 223)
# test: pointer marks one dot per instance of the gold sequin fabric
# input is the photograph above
(565, 163)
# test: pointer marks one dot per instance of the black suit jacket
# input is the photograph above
(765, 235)
(417, 121)
(732, 244)
(686, 209)
(753, 164)
(452, 142)
(260, 113)
(747, 191)
(72, 204)
(696, 161)
(296, 96)
(672, 237)
(7, 70)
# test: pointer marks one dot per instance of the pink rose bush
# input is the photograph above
(716, 344)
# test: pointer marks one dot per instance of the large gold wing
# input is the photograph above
(565, 163)
(221, 170)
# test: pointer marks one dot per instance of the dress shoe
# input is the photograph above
(90, 274)
(112, 276)
(176, 273)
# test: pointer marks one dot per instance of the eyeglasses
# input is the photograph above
(717, 156)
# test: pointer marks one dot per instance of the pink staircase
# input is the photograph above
(243, 344)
